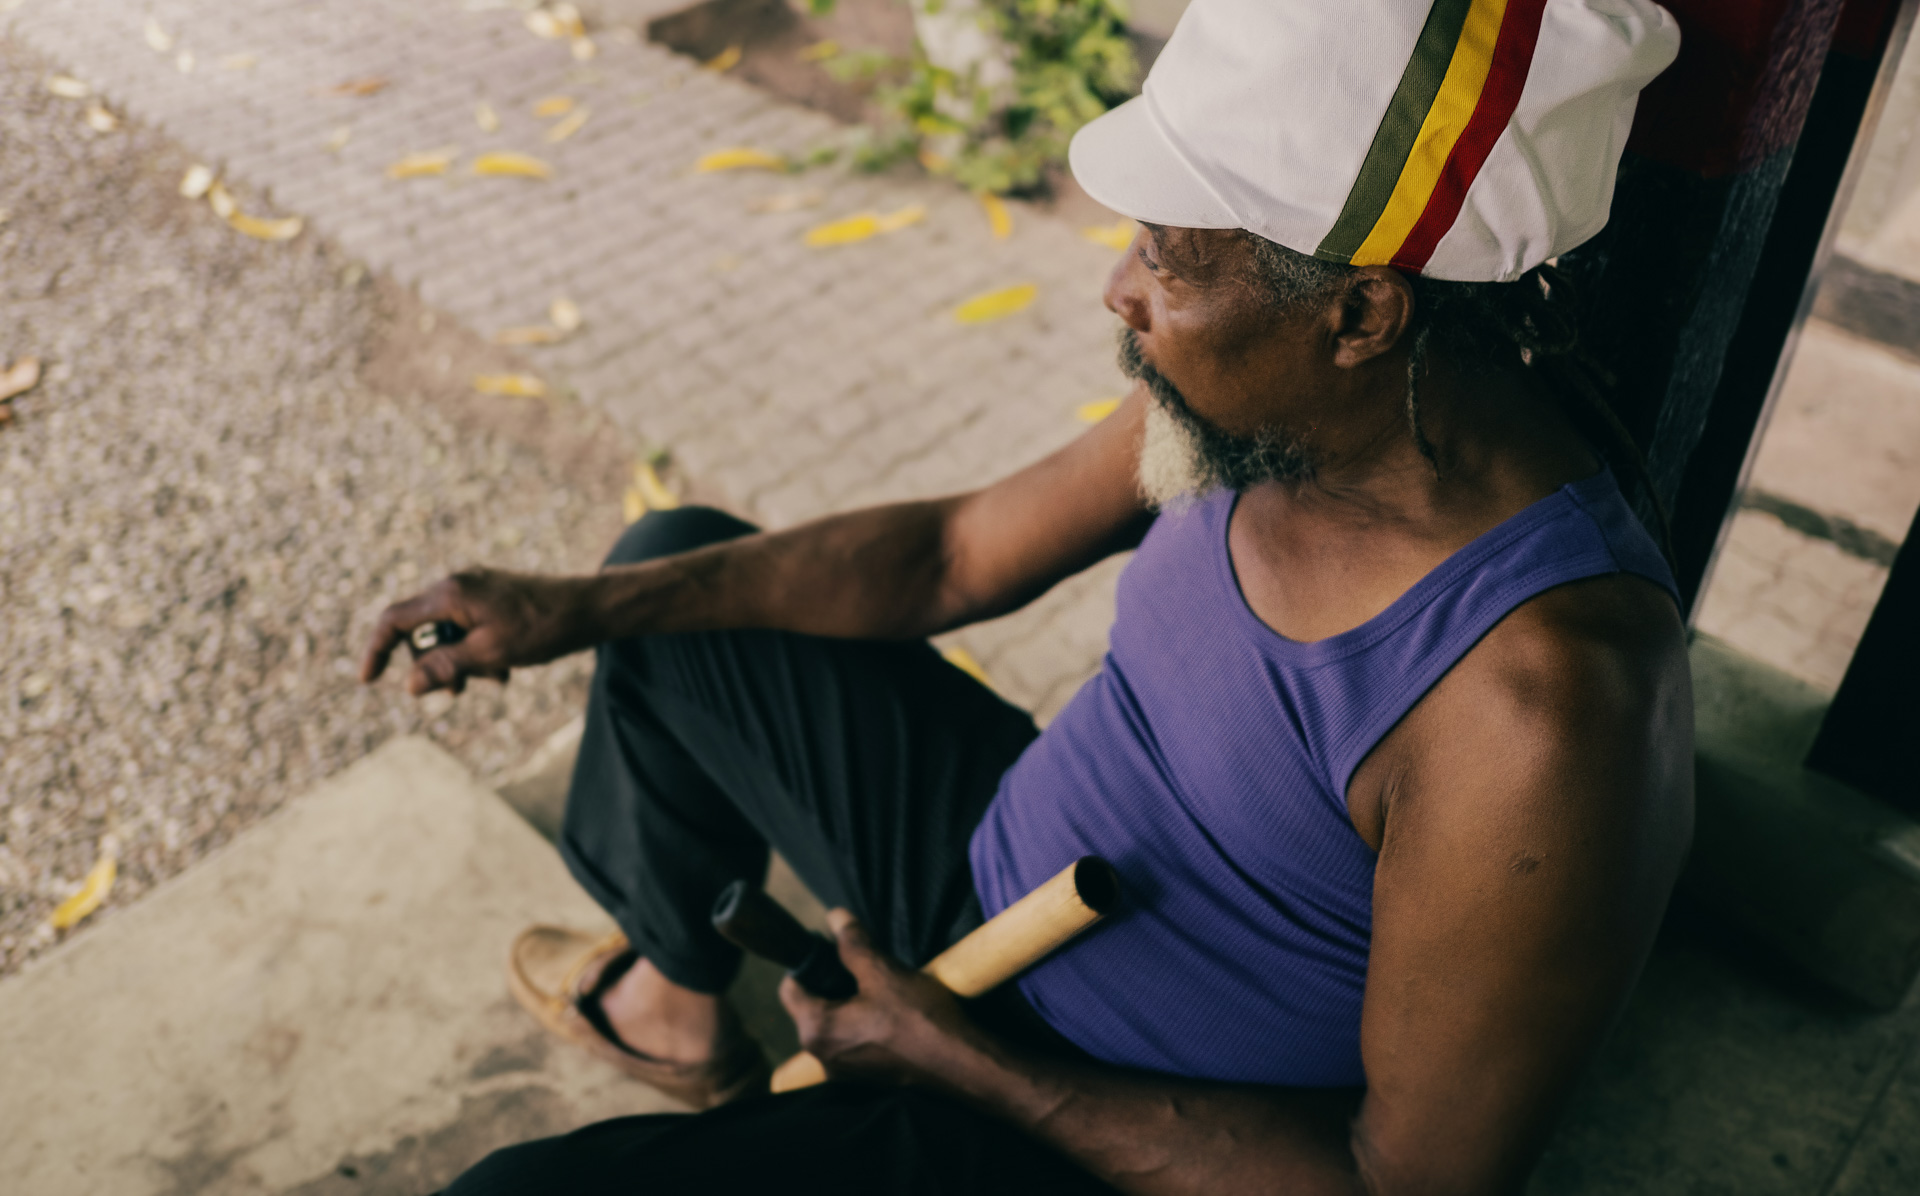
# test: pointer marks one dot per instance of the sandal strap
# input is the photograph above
(612, 945)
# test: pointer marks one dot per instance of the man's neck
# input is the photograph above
(1323, 554)
(1494, 438)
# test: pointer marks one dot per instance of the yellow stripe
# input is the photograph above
(1446, 120)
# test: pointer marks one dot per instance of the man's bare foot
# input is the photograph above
(660, 1019)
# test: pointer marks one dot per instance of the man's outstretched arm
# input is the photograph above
(1535, 810)
(901, 571)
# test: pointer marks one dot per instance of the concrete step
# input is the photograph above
(319, 1008)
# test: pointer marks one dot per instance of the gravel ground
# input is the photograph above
(240, 452)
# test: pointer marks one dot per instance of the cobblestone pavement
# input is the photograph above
(1844, 441)
(204, 502)
(788, 380)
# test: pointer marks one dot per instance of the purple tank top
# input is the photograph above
(1209, 761)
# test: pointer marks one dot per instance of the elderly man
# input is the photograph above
(1391, 750)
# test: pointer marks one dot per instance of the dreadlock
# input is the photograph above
(1529, 324)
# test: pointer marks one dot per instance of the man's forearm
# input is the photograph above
(878, 573)
(1159, 1136)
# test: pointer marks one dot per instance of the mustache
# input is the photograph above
(1134, 364)
(1133, 361)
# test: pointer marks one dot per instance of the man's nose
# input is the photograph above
(1125, 295)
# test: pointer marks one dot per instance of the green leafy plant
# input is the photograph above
(1071, 61)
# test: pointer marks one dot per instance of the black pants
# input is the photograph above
(867, 765)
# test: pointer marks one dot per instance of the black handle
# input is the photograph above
(749, 919)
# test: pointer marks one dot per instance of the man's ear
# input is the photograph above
(1376, 306)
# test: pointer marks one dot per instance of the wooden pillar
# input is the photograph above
(1870, 737)
(1694, 290)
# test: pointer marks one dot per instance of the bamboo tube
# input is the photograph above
(1007, 944)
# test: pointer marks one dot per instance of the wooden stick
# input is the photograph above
(1007, 944)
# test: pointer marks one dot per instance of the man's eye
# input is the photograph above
(1148, 262)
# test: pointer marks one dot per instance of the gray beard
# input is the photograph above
(1185, 457)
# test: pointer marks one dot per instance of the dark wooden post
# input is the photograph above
(1870, 737)
(1695, 288)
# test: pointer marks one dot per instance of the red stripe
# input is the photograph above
(1506, 79)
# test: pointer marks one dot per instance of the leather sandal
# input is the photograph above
(558, 975)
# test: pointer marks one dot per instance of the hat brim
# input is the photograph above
(1125, 162)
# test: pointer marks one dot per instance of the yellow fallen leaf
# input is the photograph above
(845, 231)
(67, 87)
(819, 50)
(195, 182)
(426, 162)
(486, 117)
(563, 129)
(996, 305)
(159, 39)
(652, 489)
(221, 200)
(863, 225)
(240, 62)
(739, 158)
(261, 228)
(934, 163)
(532, 334)
(564, 313)
(99, 119)
(1118, 235)
(20, 378)
(787, 201)
(364, 86)
(963, 660)
(998, 217)
(93, 891)
(633, 504)
(583, 49)
(895, 221)
(557, 21)
(519, 386)
(1094, 412)
(724, 61)
(501, 162)
(183, 62)
(337, 140)
(553, 106)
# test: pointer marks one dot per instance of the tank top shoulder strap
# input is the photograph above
(1584, 529)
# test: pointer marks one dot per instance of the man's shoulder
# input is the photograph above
(1598, 647)
(1578, 704)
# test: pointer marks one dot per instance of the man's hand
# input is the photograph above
(510, 619)
(902, 1027)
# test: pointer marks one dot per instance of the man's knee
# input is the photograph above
(663, 533)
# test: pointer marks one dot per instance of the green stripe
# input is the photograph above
(1393, 142)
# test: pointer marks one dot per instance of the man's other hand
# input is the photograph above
(901, 1027)
(509, 620)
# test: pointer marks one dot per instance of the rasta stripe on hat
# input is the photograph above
(1463, 140)
(1460, 89)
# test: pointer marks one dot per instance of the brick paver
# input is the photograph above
(789, 381)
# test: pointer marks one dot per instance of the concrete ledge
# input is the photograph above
(320, 1008)
(1822, 874)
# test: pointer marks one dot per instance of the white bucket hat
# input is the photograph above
(1467, 140)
